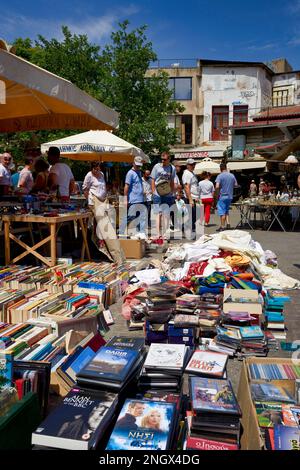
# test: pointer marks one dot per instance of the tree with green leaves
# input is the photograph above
(116, 75)
(143, 102)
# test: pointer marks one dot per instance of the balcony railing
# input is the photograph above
(174, 63)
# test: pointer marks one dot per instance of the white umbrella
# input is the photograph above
(291, 159)
(207, 164)
(96, 145)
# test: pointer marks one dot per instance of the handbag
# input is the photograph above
(163, 187)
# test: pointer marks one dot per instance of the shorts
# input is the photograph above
(223, 206)
(162, 204)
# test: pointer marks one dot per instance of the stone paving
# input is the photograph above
(287, 247)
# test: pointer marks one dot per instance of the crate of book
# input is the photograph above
(268, 398)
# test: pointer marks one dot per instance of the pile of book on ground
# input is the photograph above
(164, 366)
(275, 391)
(83, 419)
(274, 307)
(213, 422)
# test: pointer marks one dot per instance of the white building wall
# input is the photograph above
(289, 80)
(229, 86)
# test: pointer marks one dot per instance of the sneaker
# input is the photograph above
(220, 229)
(228, 227)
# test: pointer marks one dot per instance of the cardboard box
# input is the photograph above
(252, 438)
(134, 249)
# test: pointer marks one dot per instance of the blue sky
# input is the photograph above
(255, 31)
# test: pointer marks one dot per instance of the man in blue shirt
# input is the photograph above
(134, 197)
(225, 183)
(163, 187)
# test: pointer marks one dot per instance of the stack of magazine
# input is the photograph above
(144, 425)
(115, 365)
(79, 422)
(164, 366)
(214, 420)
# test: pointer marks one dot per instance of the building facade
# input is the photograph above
(222, 99)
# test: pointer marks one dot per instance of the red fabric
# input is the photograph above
(207, 205)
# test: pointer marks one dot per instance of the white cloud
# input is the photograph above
(262, 47)
(294, 42)
(294, 7)
(97, 28)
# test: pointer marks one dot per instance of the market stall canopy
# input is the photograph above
(240, 165)
(32, 98)
(96, 145)
(209, 165)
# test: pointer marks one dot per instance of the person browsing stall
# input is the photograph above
(225, 184)
(41, 169)
(26, 178)
(134, 197)
(163, 188)
(61, 176)
(5, 173)
(206, 193)
(190, 184)
(94, 184)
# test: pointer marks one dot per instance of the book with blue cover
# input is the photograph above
(270, 392)
(213, 396)
(110, 364)
(124, 342)
(6, 369)
(143, 425)
(286, 438)
(79, 422)
(250, 332)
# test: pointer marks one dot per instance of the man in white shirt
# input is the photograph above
(5, 173)
(190, 184)
(61, 176)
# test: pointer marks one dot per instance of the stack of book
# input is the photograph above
(253, 341)
(144, 425)
(228, 339)
(160, 308)
(177, 335)
(214, 420)
(274, 371)
(274, 405)
(79, 422)
(207, 364)
(243, 341)
(245, 302)
(64, 370)
(114, 366)
(164, 366)
(274, 313)
(187, 304)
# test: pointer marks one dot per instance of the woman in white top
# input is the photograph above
(206, 191)
(105, 238)
(94, 184)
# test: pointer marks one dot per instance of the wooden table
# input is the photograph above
(54, 224)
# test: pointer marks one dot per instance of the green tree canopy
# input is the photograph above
(116, 75)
